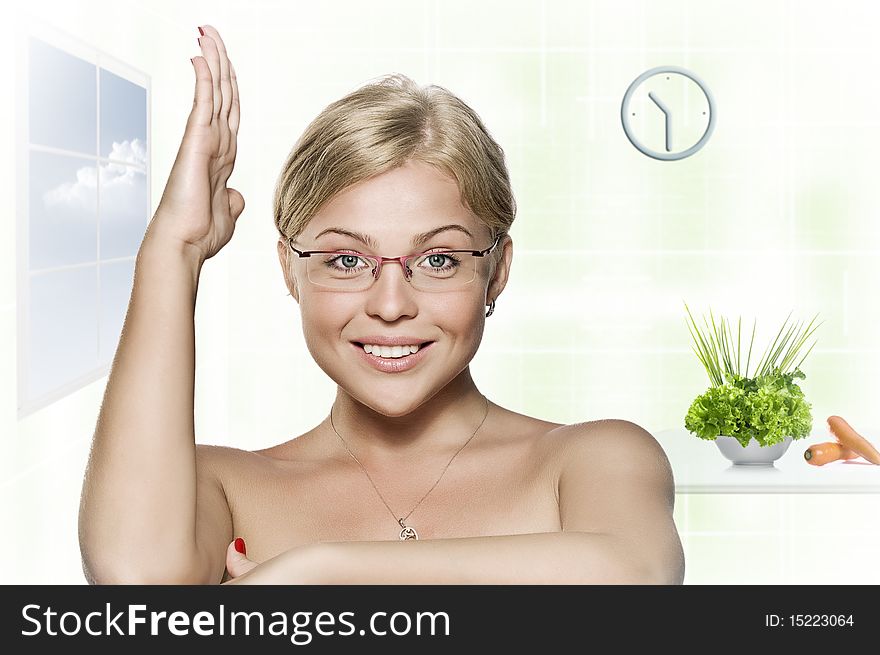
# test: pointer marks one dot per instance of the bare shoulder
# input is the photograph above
(215, 459)
(602, 433)
(210, 456)
(606, 444)
(614, 478)
(229, 464)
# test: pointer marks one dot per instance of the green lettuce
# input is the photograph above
(766, 408)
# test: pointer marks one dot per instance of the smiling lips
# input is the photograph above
(393, 359)
(391, 346)
(390, 351)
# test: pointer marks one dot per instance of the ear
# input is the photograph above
(502, 268)
(285, 257)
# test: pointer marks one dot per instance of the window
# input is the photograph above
(83, 208)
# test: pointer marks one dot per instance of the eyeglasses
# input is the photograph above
(435, 270)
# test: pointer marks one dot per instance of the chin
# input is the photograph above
(389, 394)
(389, 397)
(392, 400)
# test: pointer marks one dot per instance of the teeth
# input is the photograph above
(390, 351)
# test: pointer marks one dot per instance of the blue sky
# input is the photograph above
(64, 188)
(73, 195)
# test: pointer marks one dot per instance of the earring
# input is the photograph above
(491, 308)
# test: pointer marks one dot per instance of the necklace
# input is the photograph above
(407, 531)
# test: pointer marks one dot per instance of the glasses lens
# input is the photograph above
(428, 272)
(341, 271)
(436, 271)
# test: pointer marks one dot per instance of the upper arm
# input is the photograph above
(615, 479)
(213, 516)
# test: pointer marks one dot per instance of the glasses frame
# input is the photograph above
(379, 259)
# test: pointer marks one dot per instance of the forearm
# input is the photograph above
(138, 499)
(538, 558)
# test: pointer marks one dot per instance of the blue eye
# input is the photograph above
(348, 263)
(436, 261)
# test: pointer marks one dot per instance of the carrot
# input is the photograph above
(829, 451)
(852, 439)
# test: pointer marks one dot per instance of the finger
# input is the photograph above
(236, 203)
(225, 86)
(203, 103)
(234, 111)
(237, 563)
(212, 55)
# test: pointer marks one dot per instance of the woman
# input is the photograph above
(415, 476)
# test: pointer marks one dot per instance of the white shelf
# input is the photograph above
(700, 468)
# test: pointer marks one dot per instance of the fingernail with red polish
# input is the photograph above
(201, 31)
(239, 546)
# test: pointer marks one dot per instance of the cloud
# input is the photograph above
(118, 181)
(131, 152)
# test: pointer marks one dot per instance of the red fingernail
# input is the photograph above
(239, 546)
(199, 41)
(201, 31)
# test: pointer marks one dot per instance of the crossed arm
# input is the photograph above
(616, 496)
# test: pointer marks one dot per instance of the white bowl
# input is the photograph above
(754, 454)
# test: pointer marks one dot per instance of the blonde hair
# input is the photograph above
(381, 126)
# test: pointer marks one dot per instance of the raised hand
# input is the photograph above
(198, 211)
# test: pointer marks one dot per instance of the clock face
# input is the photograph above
(668, 113)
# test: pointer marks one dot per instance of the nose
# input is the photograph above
(391, 296)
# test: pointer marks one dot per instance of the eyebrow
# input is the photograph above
(417, 240)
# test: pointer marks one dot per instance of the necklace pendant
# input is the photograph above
(408, 532)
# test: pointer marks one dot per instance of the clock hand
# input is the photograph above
(666, 113)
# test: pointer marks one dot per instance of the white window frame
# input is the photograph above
(36, 28)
